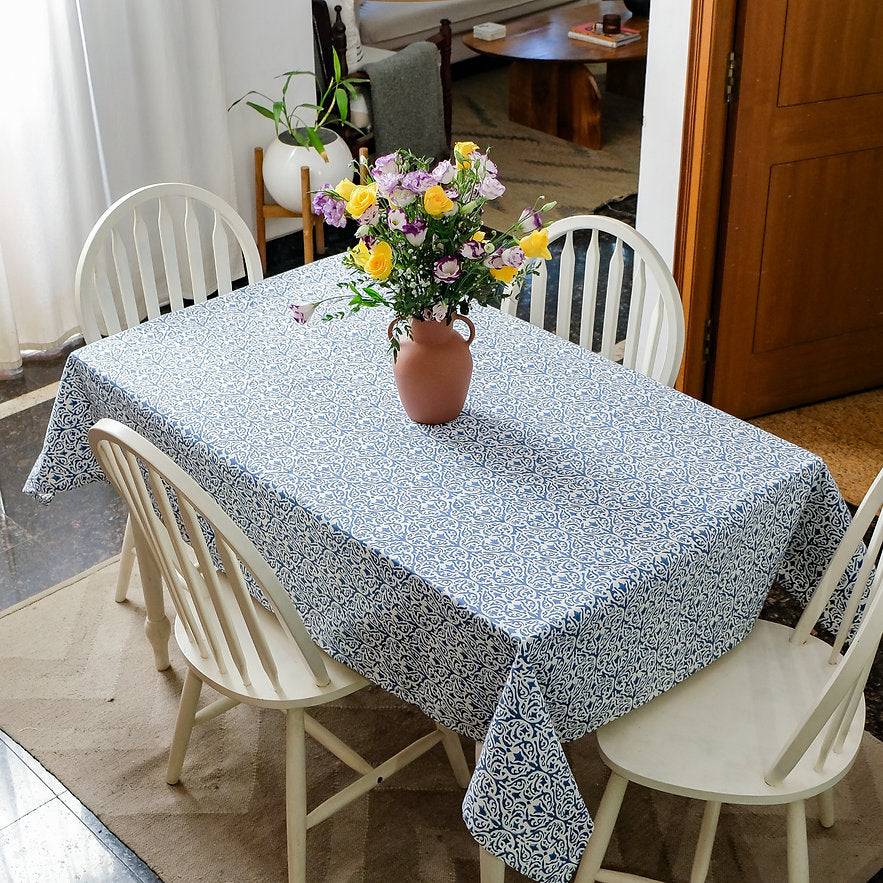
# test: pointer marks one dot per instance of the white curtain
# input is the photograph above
(98, 97)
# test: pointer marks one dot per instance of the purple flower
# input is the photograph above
(490, 187)
(330, 208)
(402, 197)
(485, 166)
(447, 270)
(368, 240)
(418, 182)
(370, 216)
(513, 257)
(298, 314)
(386, 184)
(530, 221)
(415, 231)
(396, 219)
(451, 192)
(495, 260)
(385, 165)
(472, 249)
(444, 172)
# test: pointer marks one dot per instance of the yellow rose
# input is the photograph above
(345, 188)
(437, 202)
(360, 255)
(478, 235)
(465, 148)
(504, 274)
(379, 265)
(536, 245)
(361, 199)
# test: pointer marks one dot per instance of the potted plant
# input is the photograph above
(425, 256)
(298, 143)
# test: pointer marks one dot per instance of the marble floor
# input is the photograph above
(46, 834)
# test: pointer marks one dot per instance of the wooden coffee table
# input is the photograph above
(550, 87)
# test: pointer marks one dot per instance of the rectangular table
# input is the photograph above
(581, 539)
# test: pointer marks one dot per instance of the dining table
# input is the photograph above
(581, 539)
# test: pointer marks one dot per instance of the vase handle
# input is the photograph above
(392, 325)
(468, 321)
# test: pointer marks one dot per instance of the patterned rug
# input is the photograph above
(532, 163)
(80, 693)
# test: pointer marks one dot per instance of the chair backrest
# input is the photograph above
(143, 475)
(840, 697)
(104, 285)
(662, 327)
(330, 34)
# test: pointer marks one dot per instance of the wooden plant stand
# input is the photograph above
(313, 226)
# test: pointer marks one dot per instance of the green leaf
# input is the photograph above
(264, 111)
(343, 104)
(295, 74)
(278, 110)
(337, 70)
(315, 141)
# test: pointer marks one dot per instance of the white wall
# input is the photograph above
(258, 42)
(663, 123)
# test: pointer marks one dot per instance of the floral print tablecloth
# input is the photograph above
(580, 540)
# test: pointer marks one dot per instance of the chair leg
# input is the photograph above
(457, 759)
(826, 808)
(127, 560)
(296, 795)
(183, 725)
(798, 852)
(702, 856)
(491, 868)
(605, 819)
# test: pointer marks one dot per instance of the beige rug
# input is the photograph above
(847, 433)
(79, 692)
(532, 163)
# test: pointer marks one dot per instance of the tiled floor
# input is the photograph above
(46, 834)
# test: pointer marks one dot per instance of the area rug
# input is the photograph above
(79, 692)
(532, 163)
(847, 433)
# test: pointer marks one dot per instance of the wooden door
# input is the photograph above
(800, 276)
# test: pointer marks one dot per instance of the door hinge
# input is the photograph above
(707, 341)
(732, 87)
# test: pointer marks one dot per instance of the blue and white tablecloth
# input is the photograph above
(578, 541)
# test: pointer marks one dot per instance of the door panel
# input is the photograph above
(803, 263)
(828, 50)
(800, 284)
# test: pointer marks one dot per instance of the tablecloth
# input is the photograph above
(581, 539)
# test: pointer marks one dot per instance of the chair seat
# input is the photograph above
(298, 687)
(716, 735)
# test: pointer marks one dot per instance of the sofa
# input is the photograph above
(392, 24)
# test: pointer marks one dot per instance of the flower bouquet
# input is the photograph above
(423, 253)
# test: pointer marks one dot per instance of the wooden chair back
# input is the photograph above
(330, 34)
(159, 495)
(645, 334)
(837, 704)
(104, 285)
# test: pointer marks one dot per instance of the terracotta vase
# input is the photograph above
(433, 369)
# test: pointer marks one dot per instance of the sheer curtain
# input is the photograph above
(98, 97)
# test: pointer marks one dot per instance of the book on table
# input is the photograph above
(590, 32)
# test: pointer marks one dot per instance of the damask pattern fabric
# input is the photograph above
(581, 539)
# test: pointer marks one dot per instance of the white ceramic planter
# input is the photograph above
(284, 158)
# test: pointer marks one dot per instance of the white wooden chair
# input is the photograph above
(777, 720)
(645, 334)
(247, 653)
(107, 295)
